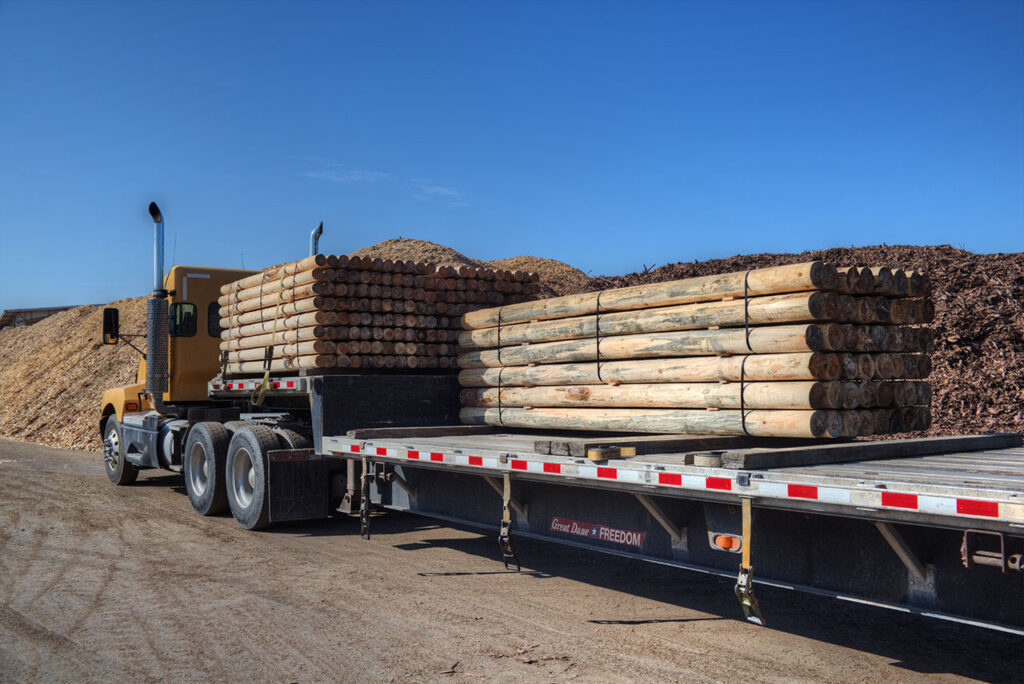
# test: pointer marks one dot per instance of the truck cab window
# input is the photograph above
(181, 320)
(213, 328)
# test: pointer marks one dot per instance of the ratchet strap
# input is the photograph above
(260, 393)
(744, 582)
(508, 554)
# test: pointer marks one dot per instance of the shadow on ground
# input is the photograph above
(911, 642)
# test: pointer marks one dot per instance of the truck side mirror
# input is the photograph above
(111, 326)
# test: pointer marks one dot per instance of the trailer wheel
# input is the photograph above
(203, 466)
(119, 470)
(246, 475)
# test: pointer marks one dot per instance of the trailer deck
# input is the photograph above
(971, 489)
(980, 485)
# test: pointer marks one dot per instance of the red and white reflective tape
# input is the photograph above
(254, 384)
(867, 498)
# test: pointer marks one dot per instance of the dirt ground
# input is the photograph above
(102, 583)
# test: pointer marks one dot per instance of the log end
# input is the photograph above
(824, 276)
(826, 424)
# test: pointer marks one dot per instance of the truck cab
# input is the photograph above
(193, 357)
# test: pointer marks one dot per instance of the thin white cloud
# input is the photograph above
(425, 190)
(341, 174)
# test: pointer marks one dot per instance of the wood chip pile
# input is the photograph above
(806, 350)
(354, 312)
(53, 373)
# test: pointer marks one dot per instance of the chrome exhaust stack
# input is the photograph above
(158, 250)
(156, 321)
(314, 239)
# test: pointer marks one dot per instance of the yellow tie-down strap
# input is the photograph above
(744, 582)
(259, 395)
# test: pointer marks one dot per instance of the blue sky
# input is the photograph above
(607, 135)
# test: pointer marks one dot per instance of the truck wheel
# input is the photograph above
(290, 439)
(246, 475)
(120, 471)
(203, 466)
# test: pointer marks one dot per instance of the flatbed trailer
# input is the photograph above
(939, 532)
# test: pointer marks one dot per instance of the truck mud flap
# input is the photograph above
(296, 485)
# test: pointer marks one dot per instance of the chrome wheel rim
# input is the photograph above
(198, 469)
(243, 478)
(112, 450)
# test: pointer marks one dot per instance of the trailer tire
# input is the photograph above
(246, 475)
(202, 464)
(119, 470)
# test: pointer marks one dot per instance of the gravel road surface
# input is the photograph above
(100, 583)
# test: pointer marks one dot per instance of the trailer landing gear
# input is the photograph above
(744, 582)
(364, 500)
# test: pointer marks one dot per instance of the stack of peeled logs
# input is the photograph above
(356, 312)
(807, 350)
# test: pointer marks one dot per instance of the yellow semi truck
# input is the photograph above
(183, 338)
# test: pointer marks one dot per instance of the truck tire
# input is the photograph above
(202, 464)
(119, 470)
(290, 439)
(246, 475)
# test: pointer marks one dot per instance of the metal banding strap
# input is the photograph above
(294, 278)
(263, 279)
(743, 363)
(501, 416)
(500, 309)
(743, 407)
(597, 335)
(746, 309)
(501, 369)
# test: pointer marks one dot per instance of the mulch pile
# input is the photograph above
(978, 362)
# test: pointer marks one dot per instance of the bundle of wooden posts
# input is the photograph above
(355, 312)
(806, 350)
